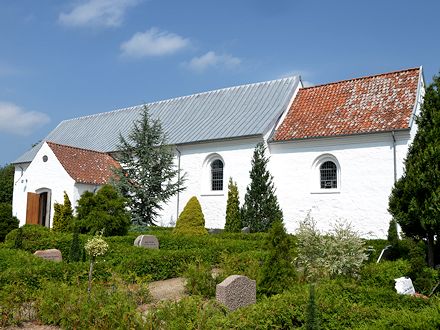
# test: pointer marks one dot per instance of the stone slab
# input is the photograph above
(50, 254)
(147, 241)
(236, 291)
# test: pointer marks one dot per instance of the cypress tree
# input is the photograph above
(312, 315)
(415, 198)
(63, 216)
(233, 222)
(278, 271)
(261, 208)
(75, 253)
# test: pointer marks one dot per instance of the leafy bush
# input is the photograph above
(339, 252)
(76, 252)
(278, 271)
(104, 210)
(384, 273)
(200, 280)
(7, 221)
(245, 263)
(191, 221)
(63, 216)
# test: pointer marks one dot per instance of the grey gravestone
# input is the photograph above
(147, 241)
(236, 291)
(51, 254)
(246, 230)
(215, 231)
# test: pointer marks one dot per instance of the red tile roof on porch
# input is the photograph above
(377, 103)
(85, 166)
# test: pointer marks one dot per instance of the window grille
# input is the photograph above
(329, 177)
(217, 175)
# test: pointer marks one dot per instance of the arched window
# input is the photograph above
(328, 175)
(217, 175)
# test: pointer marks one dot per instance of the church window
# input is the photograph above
(217, 175)
(329, 175)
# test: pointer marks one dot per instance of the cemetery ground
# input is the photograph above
(131, 286)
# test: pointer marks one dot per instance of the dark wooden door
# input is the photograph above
(32, 209)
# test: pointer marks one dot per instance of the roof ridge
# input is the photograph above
(72, 147)
(362, 77)
(180, 98)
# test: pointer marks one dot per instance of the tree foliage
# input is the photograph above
(148, 177)
(104, 210)
(415, 198)
(7, 221)
(6, 183)
(261, 208)
(278, 271)
(63, 216)
(76, 249)
(233, 222)
(191, 221)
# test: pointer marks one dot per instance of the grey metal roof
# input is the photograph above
(233, 112)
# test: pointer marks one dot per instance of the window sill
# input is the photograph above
(325, 191)
(213, 193)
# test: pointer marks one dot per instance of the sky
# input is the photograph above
(70, 58)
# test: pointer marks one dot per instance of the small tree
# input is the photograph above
(104, 210)
(393, 238)
(312, 322)
(415, 199)
(94, 247)
(233, 222)
(75, 253)
(148, 177)
(63, 216)
(7, 221)
(261, 208)
(278, 270)
(191, 221)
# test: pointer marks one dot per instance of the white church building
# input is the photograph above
(335, 149)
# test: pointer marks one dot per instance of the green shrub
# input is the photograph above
(71, 308)
(384, 273)
(200, 280)
(278, 271)
(104, 210)
(191, 221)
(7, 221)
(63, 216)
(312, 322)
(233, 223)
(244, 263)
(76, 249)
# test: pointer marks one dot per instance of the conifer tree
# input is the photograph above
(75, 253)
(312, 322)
(261, 208)
(191, 221)
(148, 177)
(233, 222)
(63, 216)
(278, 270)
(415, 199)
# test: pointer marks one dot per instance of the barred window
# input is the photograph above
(217, 175)
(329, 177)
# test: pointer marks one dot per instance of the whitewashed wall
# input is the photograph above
(366, 179)
(195, 162)
(38, 175)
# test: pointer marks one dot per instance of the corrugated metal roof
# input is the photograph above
(220, 114)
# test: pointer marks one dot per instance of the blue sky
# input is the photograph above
(64, 59)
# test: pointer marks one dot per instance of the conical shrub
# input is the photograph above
(191, 221)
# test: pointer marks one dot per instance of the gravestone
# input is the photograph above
(51, 254)
(404, 285)
(236, 291)
(246, 230)
(147, 241)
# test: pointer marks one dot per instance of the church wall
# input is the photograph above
(365, 179)
(195, 161)
(39, 175)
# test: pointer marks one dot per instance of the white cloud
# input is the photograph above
(301, 73)
(153, 42)
(107, 13)
(211, 59)
(15, 120)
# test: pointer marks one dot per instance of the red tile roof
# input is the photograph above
(383, 102)
(84, 166)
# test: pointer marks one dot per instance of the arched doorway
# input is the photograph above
(38, 207)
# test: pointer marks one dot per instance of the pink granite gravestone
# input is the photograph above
(236, 291)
